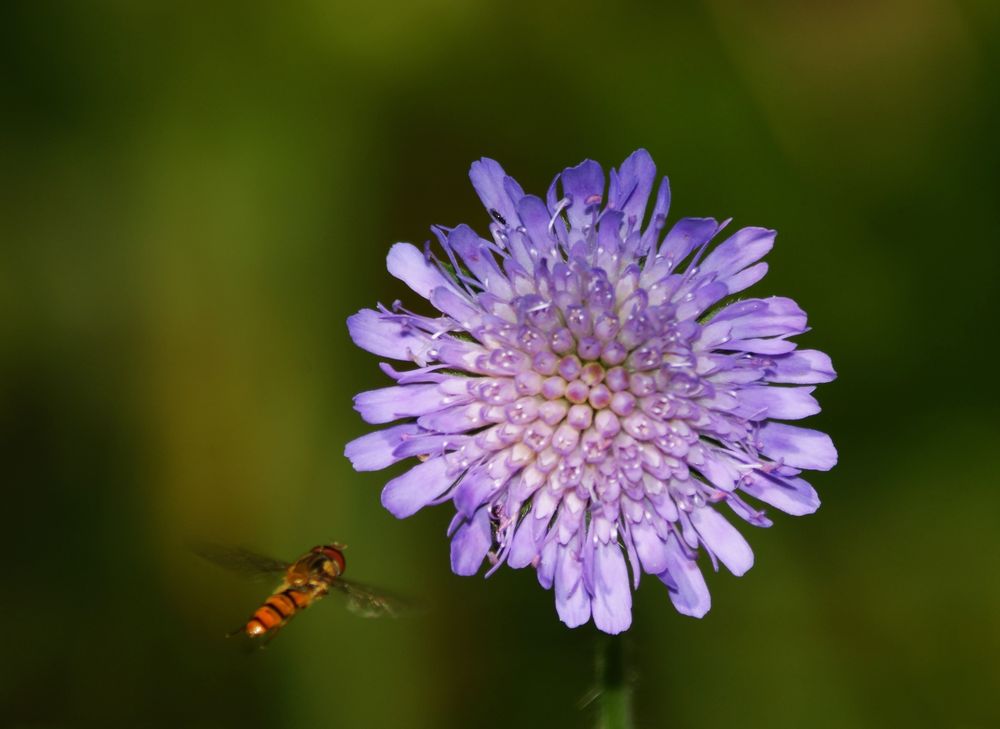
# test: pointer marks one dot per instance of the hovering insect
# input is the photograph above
(308, 579)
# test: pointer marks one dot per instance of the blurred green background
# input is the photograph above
(195, 196)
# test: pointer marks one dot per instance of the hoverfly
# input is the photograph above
(309, 578)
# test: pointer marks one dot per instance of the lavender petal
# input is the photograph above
(652, 550)
(803, 367)
(780, 403)
(572, 600)
(401, 401)
(686, 235)
(584, 186)
(411, 267)
(375, 451)
(798, 447)
(723, 539)
(471, 543)
(488, 178)
(792, 495)
(688, 591)
(405, 495)
(744, 247)
(612, 601)
(631, 185)
(373, 332)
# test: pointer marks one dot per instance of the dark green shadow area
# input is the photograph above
(193, 198)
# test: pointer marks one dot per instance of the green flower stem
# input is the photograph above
(615, 699)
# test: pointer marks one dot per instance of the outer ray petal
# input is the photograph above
(375, 451)
(723, 539)
(612, 601)
(471, 543)
(688, 591)
(405, 495)
(797, 447)
(488, 178)
(744, 247)
(791, 495)
(584, 186)
(385, 336)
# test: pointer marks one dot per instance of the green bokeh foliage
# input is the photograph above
(194, 198)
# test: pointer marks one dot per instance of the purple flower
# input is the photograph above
(587, 397)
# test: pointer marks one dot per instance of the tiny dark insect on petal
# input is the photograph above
(497, 216)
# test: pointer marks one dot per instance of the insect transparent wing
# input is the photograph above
(368, 602)
(239, 560)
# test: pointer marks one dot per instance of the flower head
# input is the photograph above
(586, 397)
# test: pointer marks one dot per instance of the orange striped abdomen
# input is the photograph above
(277, 610)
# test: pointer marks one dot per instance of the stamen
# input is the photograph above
(560, 206)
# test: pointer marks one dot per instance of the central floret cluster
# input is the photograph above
(575, 401)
